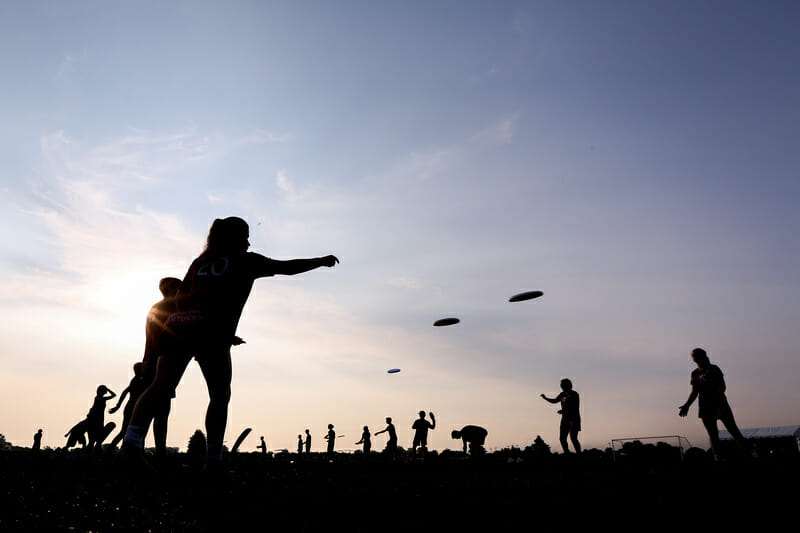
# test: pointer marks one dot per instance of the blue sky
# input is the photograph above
(637, 162)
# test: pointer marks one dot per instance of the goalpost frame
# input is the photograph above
(680, 439)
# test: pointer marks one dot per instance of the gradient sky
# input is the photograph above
(636, 161)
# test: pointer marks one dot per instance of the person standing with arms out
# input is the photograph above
(391, 444)
(308, 442)
(331, 438)
(421, 427)
(708, 384)
(570, 415)
(210, 301)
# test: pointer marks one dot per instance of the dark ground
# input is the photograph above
(503, 491)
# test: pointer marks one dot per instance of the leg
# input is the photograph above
(160, 427)
(562, 436)
(713, 434)
(573, 436)
(217, 372)
(730, 424)
(169, 370)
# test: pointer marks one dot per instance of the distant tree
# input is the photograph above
(197, 445)
(4, 444)
(539, 447)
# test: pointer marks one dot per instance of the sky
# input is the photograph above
(638, 162)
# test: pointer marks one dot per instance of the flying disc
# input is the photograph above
(393, 371)
(521, 297)
(446, 322)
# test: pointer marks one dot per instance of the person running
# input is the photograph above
(421, 427)
(95, 418)
(133, 391)
(365, 440)
(37, 441)
(331, 438)
(210, 301)
(308, 442)
(708, 384)
(391, 444)
(475, 436)
(570, 415)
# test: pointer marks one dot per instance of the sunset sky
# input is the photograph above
(639, 162)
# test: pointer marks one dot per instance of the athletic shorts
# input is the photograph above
(420, 441)
(573, 424)
(189, 334)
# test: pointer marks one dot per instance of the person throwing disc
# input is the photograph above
(209, 305)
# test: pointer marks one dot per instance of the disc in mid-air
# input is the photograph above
(393, 371)
(446, 321)
(521, 297)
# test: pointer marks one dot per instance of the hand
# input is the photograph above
(432, 416)
(237, 341)
(329, 260)
(683, 410)
(543, 396)
(113, 410)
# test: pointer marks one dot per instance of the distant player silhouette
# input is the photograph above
(391, 444)
(37, 441)
(210, 301)
(331, 438)
(95, 427)
(365, 440)
(421, 427)
(299, 444)
(262, 446)
(133, 391)
(308, 442)
(475, 436)
(570, 415)
(708, 384)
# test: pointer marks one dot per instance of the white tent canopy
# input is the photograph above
(765, 433)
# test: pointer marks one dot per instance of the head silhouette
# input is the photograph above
(330, 426)
(422, 414)
(456, 434)
(137, 369)
(566, 384)
(102, 389)
(700, 357)
(388, 419)
(227, 235)
(169, 287)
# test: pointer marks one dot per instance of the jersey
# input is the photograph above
(218, 286)
(570, 405)
(709, 384)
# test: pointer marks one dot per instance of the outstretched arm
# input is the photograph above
(121, 398)
(298, 266)
(551, 400)
(381, 431)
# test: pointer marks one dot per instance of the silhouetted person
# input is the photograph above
(262, 446)
(475, 436)
(95, 427)
(37, 441)
(76, 434)
(308, 442)
(153, 332)
(708, 384)
(299, 444)
(133, 391)
(209, 304)
(365, 440)
(391, 444)
(570, 415)
(421, 427)
(331, 438)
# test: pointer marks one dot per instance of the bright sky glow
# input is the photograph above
(637, 162)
